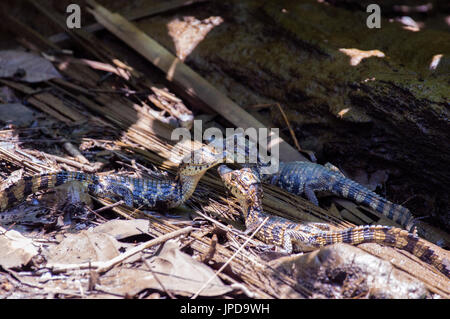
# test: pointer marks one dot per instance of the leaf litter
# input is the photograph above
(77, 93)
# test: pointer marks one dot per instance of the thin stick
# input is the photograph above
(96, 214)
(229, 260)
(222, 226)
(289, 127)
(107, 265)
(85, 167)
(120, 202)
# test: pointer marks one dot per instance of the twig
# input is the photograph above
(21, 161)
(96, 214)
(222, 226)
(289, 127)
(212, 249)
(75, 152)
(102, 267)
(84, 167)
(120, 202)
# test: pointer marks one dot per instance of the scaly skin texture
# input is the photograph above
(296, 177)
(245, 185)
(135, 192)
(307, 178)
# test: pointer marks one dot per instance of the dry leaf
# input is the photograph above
(25, 66)
(176, 271)
(84, 247)
(121, 229)
(16, 250)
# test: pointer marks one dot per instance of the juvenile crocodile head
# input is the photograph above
(199, 161)
(195, 164)
(243, 184)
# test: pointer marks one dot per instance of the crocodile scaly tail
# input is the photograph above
(17, 192)
(388, 236)
(349, 189)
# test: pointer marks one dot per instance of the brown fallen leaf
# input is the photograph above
(84, 247)
(121, 229)
(16, 250)
(176, 272)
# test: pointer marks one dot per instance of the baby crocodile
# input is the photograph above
(245, 185)
(135, 192)
(307, 178)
